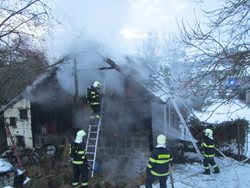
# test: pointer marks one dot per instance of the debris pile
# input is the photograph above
(7, 173)
(56, 171)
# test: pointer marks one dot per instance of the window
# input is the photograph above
(20, 141)
(23, 114)
(12, 121)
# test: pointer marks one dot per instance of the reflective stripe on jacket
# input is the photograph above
(208, 147)
(77, 151)
(93, 96)
(158, 164)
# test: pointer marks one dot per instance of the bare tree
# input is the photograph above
(219, 50)
(164, 54)
(21, 19)
(24, 65)
(21, 22)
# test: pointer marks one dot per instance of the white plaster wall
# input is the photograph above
(23, 126)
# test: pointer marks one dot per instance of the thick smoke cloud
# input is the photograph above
(95, 29)
(89, 57)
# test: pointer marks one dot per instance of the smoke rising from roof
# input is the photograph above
(88, 56)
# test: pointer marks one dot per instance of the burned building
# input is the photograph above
(130, 122)
(41, 115)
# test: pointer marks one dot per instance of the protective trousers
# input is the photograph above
(151, 178)
(96, 114)
(80, 170)
(210, 161)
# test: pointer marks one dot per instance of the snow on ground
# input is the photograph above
(220, 112)
(233, 174)
(5, 166)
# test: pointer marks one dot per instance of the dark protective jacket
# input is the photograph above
(93, 96)
(158, 164)
(78, 153)
(207, 147)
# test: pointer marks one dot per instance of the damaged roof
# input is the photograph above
(30, 88)
(155, 84)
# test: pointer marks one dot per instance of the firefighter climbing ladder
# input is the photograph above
(92, 140)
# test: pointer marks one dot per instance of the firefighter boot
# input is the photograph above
(206, 172)
(216, 170)
(92, 120)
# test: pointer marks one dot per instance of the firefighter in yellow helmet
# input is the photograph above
(79, 160)
(93, 97)
(158, 165)
(207, 148)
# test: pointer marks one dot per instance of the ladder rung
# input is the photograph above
(93, 132)
(94, 125)
(92, 138)
(91, 146)
(90, 152)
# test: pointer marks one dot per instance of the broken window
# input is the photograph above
(12, 121)
(23, 113)
(20, 141)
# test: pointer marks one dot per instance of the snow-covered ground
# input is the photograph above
(5, 166)
(219, 112)
(233, 174)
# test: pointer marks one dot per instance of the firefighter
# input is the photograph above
(79, 160)
(158, 165)
(93, 97)
(207, 148)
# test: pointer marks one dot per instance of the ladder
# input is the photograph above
(92, 141)
(9, 135)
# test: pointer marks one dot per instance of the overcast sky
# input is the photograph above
(117, 24)
(91, 29)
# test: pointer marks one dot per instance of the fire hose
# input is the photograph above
(230, 164)
(236, 174)
(171, 175)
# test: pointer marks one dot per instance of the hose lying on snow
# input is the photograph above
(230, 164)
(237, 176)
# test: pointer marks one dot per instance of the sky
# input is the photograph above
(118, 25)
(109, 28)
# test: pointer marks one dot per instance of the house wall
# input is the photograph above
(122, 147)
(123, 156)
(248, 96)
(22, 128)
(3, 140)
(165, 121)
(125, 137)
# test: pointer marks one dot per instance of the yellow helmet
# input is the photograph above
(161, 139)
